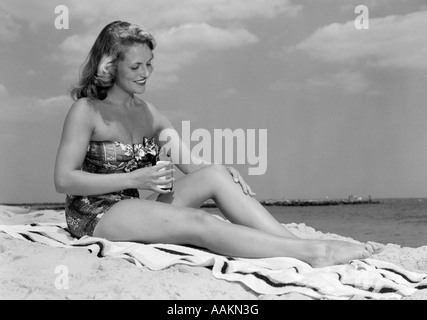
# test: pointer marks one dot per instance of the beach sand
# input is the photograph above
(27, 270)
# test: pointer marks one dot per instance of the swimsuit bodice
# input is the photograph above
(106, 157)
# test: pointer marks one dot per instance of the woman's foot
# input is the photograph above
(374, 247)
(330, 252)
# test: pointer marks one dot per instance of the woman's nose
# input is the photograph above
(145, 72)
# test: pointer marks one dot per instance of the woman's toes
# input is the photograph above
(366, 254)
(376, 247)
(370, 249)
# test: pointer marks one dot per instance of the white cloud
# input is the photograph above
(394, 41)
(184, 28)
(348, 81)
(230, 92)
(74, 49)
(24, 109)
(177, 47)
(151, 13)
(52, 103)
(350, 5)
(203, 36)
(3, 91)
(181, 46)
(9, 28)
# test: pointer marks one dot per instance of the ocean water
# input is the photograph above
(398, 221)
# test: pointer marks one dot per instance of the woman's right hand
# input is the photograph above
(149, 178)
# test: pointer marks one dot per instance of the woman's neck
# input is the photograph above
(117, 96)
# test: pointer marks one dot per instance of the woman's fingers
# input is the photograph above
(162, 191)
(251, 193)
(242, 183)
(238, 179)
(246, 188)
(162, 165)
(163, 182)
(157, 185)
(164, 173)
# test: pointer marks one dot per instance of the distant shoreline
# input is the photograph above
(306, 203)
(211, 204)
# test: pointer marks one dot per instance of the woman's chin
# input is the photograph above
(140, 90)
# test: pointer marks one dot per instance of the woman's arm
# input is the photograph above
(76, 135)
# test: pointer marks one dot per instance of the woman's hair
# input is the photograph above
(99, 70)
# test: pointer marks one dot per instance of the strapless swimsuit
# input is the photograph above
(106, 157)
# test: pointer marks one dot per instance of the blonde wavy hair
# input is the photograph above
(99, 70)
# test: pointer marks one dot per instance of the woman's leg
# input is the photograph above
(215, 182)
(154, 222)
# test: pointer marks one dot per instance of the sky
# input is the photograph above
(345, 109)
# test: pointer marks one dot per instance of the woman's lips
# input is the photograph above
(141, 82)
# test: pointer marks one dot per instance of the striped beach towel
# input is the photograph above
(372, 279)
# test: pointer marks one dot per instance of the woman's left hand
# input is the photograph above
(237, 177)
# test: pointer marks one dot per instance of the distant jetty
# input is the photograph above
(308, 203)
(352, 200)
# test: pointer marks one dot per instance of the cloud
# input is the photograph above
(350, 5)
(152, 13)
(74, 49)
(178, 46)
(230, 92)
(9, 29)
(349, 82)
(53, 103)
(26, 109)
(203, 36)
(391, 42)
(3, 91)
(184, 28)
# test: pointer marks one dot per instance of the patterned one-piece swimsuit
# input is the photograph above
(106, 157)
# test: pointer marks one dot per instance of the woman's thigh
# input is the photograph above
(151, 222)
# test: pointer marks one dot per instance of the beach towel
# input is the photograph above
(370, 278)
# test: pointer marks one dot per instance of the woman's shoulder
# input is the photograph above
(83, 103)
(81, 109)
(144, 104)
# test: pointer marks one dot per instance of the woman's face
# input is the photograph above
(134, 71)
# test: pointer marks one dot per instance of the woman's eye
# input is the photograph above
(134, 68)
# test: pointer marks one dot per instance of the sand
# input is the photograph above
(27, 270)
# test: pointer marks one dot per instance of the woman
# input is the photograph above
(110, 140)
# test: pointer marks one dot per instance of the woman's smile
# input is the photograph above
(141, 82)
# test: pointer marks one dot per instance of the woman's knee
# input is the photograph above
(214, 172)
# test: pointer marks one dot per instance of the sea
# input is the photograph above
(397, 221)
